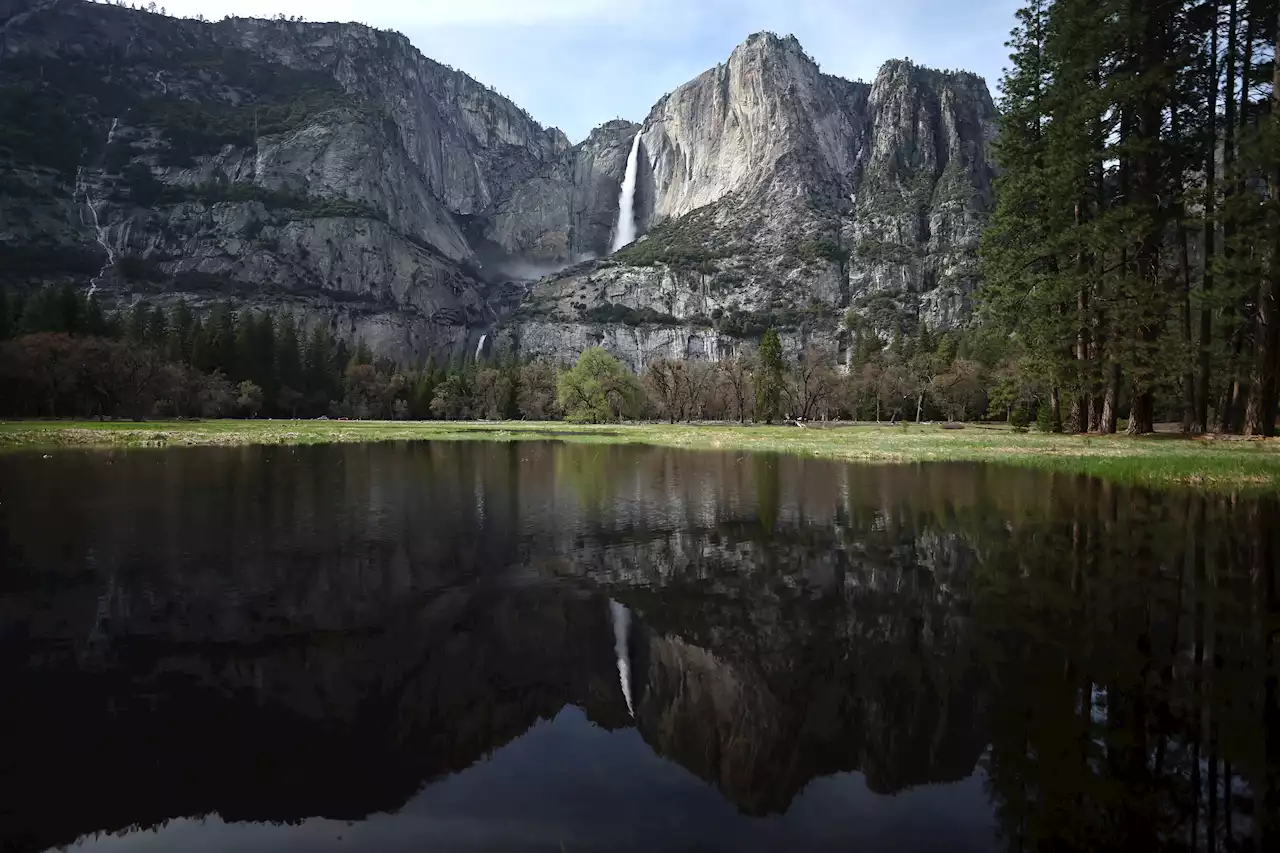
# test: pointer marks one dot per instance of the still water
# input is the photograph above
(475, 646)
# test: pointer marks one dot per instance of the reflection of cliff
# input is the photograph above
(338, 725)
(761, 747)
(343, 723)
(187, 634)
(774, 664)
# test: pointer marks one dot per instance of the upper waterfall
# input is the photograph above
(625, 233)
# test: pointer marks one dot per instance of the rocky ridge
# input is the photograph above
(775, 195)
(333, 173)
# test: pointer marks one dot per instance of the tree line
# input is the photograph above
(61, 355)
(1134, 252)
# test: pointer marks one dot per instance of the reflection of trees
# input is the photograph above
(1131, 711)
(367, 618)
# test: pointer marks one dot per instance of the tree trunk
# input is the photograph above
(1080, 403)
(1206, 319)
(1147, 186)
(1224, 420)
(1055, 409)
(1210, 237)
(1111, 402)
(1188, 376)
(1260, 418)
(1231, 386)
(920, 407)
(1141, 413)
(1273, 411)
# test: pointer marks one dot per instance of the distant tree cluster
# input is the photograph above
(62, 356)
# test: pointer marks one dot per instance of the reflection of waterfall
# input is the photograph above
(621, 618)
(626, 231)
(100, 233)
(480, 346)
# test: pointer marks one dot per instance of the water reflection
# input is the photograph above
(534, 646)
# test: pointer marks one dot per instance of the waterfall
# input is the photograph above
(100, 233)
(625, 233)
(480, 346)
(621, 618)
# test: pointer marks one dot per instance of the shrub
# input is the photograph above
(1044, 418)
(611, 312)
(822, 249)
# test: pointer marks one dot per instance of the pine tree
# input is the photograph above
(319, 372)
(201, 348)
(260, 366)
(70, 310)
(136, 328)
(424, 389)
(178, 341)
(157, 328)
(769, 381)
(222, 333)
(288, 359)
(361, 354)
(245, 355)
(95, 323)
(1023, 250)
(1260, 413)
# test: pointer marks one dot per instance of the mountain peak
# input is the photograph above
(766, 43)
(901, 68)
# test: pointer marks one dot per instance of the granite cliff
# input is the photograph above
(772, 194)
(332, 172)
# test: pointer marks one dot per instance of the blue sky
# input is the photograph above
(576, 63)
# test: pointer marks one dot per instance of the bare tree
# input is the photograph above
(492, 393)
(812, 382)
(537, 395)
(739, 391)
(664, 383)
(699, 386)
(957, 388)
(893, 386)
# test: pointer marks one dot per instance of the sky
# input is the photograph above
(574, 64)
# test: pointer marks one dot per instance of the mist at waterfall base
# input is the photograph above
(625, 233)
(519, 270)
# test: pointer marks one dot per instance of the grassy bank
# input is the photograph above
(1163, 460)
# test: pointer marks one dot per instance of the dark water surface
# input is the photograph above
(541, 647)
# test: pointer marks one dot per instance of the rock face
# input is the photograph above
(571, 210)
(775, 195)
(332, 172)
(328, 171)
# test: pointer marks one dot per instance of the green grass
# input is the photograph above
(1160, 461)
